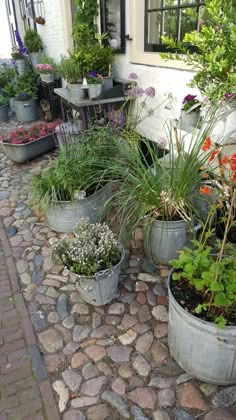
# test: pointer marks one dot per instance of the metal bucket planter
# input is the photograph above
(21, 65)
(4, 110)
(162, 239)
(21, 153)
(94, 90)
(63, 215)
(26, 111)
(35, 58)
(76, 91)
(199, 347)
(188, 120)
(101, 288)
(107, 83)
(47, 78)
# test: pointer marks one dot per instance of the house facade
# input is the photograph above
(135, 27)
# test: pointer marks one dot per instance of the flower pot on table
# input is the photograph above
(94, 90)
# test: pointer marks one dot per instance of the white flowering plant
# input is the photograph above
(93, 248)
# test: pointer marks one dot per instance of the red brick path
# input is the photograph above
(25, 391)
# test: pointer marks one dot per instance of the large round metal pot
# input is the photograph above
(27, 110)
(4, 110)
(63, 215)
(35, 58)
(199, 347)
(162, 239)
(101, 288)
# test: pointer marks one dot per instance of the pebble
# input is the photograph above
(115, 401)
(161, 415)
(116, 309)
(141, 365)
(160, 313)
(38, 320)
(51, 340)
(11, 231)
(144, 314)
(63, 393)
(148, 278)
(143, 397)
(225, 398)
(71, 348)
(119, 386)
(53, 317)
(119, 354)
(83, 402)
(80, 308)
(128, 338)
(74, 415)
(72, 379)
(104, 331)
(219, 414)
(92, 387)
(190, 397)
(68, 322)
(185, 377)
(54, 362)
(137, 413)
(183, 415)
(62, 306)
(159, 353)
(161, 330)
(37, 277)
(162, 382)
(125, 371)
(89, 371)
(80, 333)
(96, 353)
(166, 398)
(25, 278)
(144, 342)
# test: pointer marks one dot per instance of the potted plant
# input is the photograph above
(94, 257)
(46, 72)
(94, 81)
(4, 108)
(46, 59)
(71, 71)
(202, 295)
(19, 59)
(190, 112)
(24, 144)
(213, 59)
(33, 43)
(25, 101)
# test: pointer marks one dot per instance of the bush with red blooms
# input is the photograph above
(35, 131)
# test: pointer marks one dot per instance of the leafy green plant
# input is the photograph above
(32, 41)
(7, 74)
(46, 59)
(4, 100)
(27, 84)
(71, 70)
(214, 59)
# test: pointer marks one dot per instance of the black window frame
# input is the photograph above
(104, 28)
(160, 47)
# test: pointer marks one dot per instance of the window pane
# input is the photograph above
(187, 22)
(154, 4)
(168, 3)
(154, 27)
(188, 1)
(113, 22)
(170, 23)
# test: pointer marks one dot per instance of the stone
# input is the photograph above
(143, 397)
(22, 266)
(137, 413)
(140, 286)
(51, 340)
(141, 328)
(53, 283)
(190, 397)
(125, 371)
(219, 414)
(105, 342)
(30, 292)
(96, 320)
(41, 289)
(51, 292)
(38, 260)
(119, 354)
(160, 313)
(159, 353)
(144, 342)
(72, 379)
(161, 330)
(159, 290)
(119, 386)
(25, 278)
(151, 297)
(48, 264)
(53, 362)
(225, 398)
(141, 365)
(116, 309)
(75, 298)
(11, 231)
(83, 402)
(134, 307)
(80, 308)
(96, 353)
(161, 415)
(162, 382)
(74, 415)
(92, 387)
(115, 401)
(183, 415)
(78, 360)
(63, 393)
(185, 377)
(38, 320)
(208, 389)
(89, 371)
(148, 266)
(65, 332)
(148, 278)
(168, 368)
(127, 297)
(112, 320)
(104, 368)
(141, 298)
(80, 333)
(144, 314)
(37, 277)
(99, 412)
(5, 211)
(62, 306)
(68, 322)
(135, 382)
(4, 195)
(104, 331)
(71, 348)
(128, 338)
(87, 343)
(166, 398)
(53, 317)
(128, 321)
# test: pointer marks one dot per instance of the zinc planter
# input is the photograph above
(199, 347)
(188, 120)
(21, 153)
(4, 110)
(62, 216)
(162, 239)
(47, 78)
(76, 91)
(20, 64)
(26, 111)
(35, 58)
(94, 90)
(101, 288)
(107, 83)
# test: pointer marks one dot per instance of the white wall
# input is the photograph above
(5, 43)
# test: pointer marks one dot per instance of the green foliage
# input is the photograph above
(32, 41)
(71, 69)
(27, 84)
(7, 74)
(86, 11)
(4, 100)
(215, 57)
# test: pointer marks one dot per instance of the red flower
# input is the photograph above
(233, 162)
(205, 190)
(234, 178)
(224, 161)
(213, 155)
(207, 144)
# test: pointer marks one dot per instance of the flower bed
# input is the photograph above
(24, 135)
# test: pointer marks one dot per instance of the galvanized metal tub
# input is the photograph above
(101, 288)
(63, 215)
(199, 347)
(4, 110)
(26, 110)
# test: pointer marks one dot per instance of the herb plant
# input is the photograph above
(94, 248)
(27, 84)
(71, 70)
(32, 41)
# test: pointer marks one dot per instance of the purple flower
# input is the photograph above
(150, 91)
(189, 98)
(20, 44)
(143, 105)
(135, 92)
(133, 76)
(150, 112)
(92, 73)
(228, 95)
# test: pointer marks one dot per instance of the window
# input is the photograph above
(113, 22)
(170, 18)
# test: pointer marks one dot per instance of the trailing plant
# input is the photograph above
(32, 41)
(93, 249)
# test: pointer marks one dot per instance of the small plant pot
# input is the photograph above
(21, 153)
(199, 347)
(4, 110)
(188, 121)
(21, 65)
(107, 83)
(26, 111)
(47, 78)
(35, 58)
(101, 288)
(76, 91)
(94, 90)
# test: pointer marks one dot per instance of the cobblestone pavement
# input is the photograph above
(109, 362)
